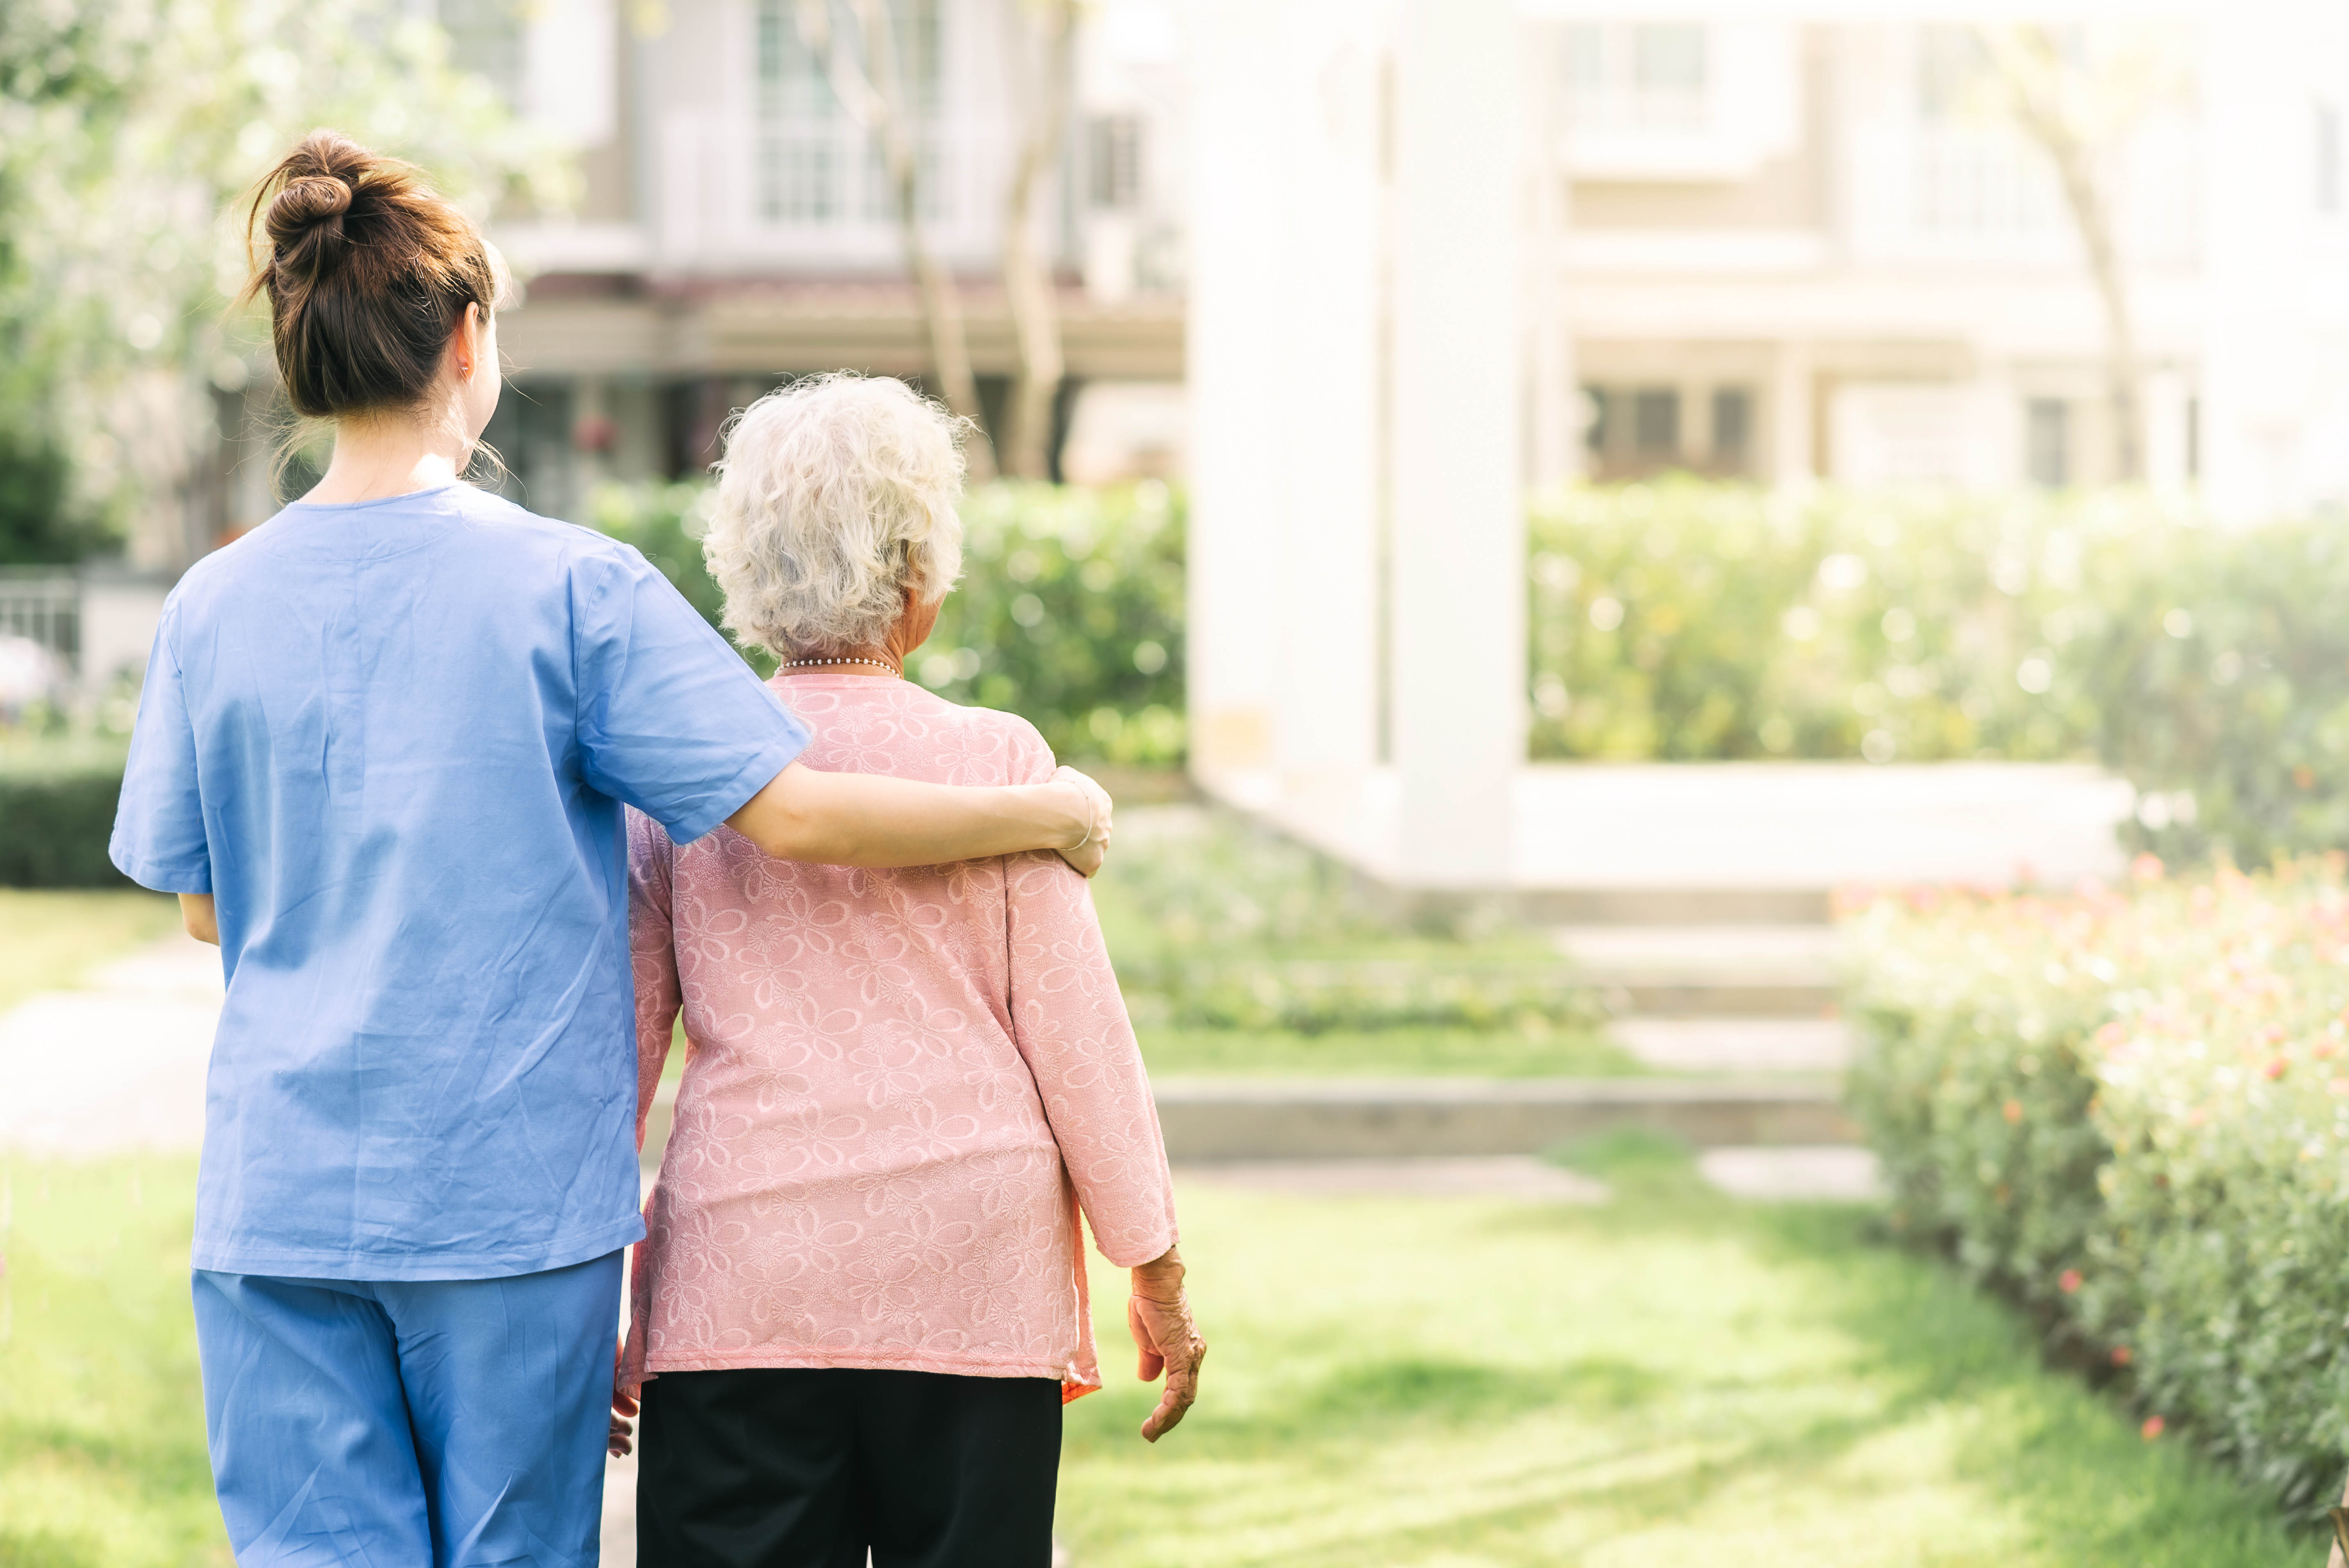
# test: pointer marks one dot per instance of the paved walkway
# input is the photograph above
(118, 1065)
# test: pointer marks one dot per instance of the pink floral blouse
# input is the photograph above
(898, 1086)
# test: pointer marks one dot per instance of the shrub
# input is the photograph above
(1694, 622)
(2131, 1111)
(2209, 666)
(56, 813)
(1070, 612)
(1218, 924)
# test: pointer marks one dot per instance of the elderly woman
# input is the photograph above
(861, 1302)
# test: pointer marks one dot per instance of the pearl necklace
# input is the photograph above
(876, 664)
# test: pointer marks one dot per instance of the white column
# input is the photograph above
(2259, 360)
(1237, 442)
(1555, 430)
(1458, 556)
(1283, 380)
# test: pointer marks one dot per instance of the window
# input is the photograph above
(814, 164)
(799, 181)
(2047, 442)
(1113, 163)
(1656, 423)
(2328, 160)
(792, 83)
(1646, 76)
(1667, 60)
(1953, 72)
(1732, 426)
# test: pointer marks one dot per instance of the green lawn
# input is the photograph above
(1670, 1380)
(48, 940)
(101, 1412)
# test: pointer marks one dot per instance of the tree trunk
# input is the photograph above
(2095, 220)
(2033, 65)
(875, 96)
(1026, 279)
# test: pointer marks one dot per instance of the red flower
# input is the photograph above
(2277, 1067)
(2122, 1356)
(2068, 1281)
(2154, 1426)
(2013, 1110)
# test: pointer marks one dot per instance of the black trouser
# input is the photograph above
(807, 1468)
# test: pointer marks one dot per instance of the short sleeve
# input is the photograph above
(159, 823)
(670, 718)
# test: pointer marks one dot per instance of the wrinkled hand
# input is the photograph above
(1087, 857)
(623, 1405)
(1159, 1315)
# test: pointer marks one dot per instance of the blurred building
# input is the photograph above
(736, 229)
(1782, 249)
(1440, 248)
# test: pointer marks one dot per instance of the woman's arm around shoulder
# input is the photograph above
(870, 820)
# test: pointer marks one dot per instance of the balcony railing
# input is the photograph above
(44, 606)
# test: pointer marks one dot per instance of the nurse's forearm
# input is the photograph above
(868, 819)
(196, 915)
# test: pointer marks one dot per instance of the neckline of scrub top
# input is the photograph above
(372, 500)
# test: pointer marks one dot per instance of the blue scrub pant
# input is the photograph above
(397, 1424)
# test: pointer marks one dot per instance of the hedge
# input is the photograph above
(2131, 1109)
(2209, 666)
(57, 812)
(1070, 612)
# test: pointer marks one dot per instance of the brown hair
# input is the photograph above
(369, 269)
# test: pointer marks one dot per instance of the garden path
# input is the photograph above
(117, 1064)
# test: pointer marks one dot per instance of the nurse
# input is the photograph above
(381, 757)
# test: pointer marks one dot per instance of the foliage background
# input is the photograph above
(128, 129)
(1070, 611)
(2209, 666)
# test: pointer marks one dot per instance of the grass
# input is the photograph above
(1668, 1381)
(48, 940)
(1240, 952)
(1567, 1052)
(101, 1410)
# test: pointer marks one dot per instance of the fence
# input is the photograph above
(45, 607)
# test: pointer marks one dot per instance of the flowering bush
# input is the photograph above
(1070, 612)
(2131, 1110)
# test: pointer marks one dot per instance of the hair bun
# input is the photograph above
(305, 224)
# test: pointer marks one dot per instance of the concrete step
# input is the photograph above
(1764, 1045)
(1591, 906)
(1281, 1118)
(1708, 971)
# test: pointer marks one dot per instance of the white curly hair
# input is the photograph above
(836, 495)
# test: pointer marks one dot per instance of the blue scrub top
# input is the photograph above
(392, 739)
